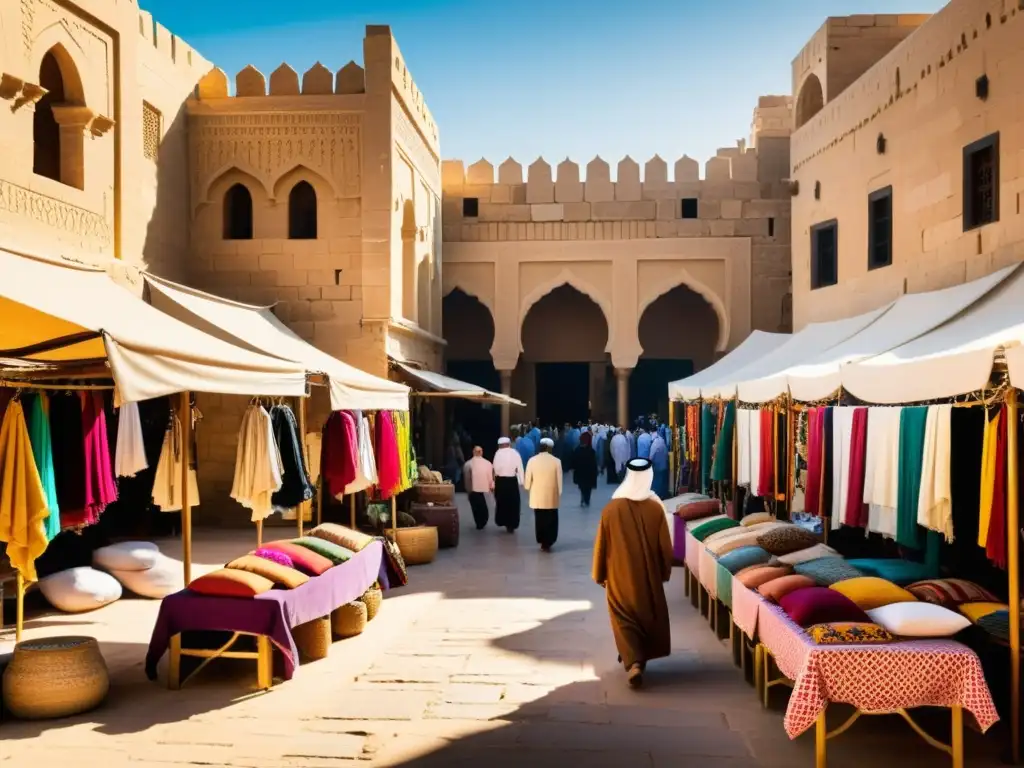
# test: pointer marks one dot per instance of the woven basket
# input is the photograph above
(55, 677)
(313, 639)
(372, 598)
(350, 619)
(418, 545)
(437, 493)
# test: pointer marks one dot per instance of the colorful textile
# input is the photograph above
(876, 678)
(766, 484)
(815, 460)
(339, 453)
(230, 582)
(849, 633)
(38, 423)
(826, 571)
(912, 425)
(743, 557)
(698, 509)
(722, 468)
(385, 444)
(950, 592)
(23, 511)
(274, 556)
(842, 438)
(935, 503)
(820, 605)
(295, 485)
(995, 547)
(828, 489)
(336, 554)
(881, 475)
(68, 454)
(856, 512)
(894, 569)
(711, 527)
(303, 558)
(786, 539)
(259, 471)
(100, 488)
(997, 624)
(756, 575)
(870, 592)
(977, 611)
(342, 536)
(282, 575)
(776, 589)
(707, 440)
(746, 602)
(988, 475)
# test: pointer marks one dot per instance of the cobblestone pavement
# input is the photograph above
(495, 655)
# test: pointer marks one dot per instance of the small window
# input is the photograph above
(880, 228)
(981, 182)
(771, 226)
(302, 212)
(688, 208)
(824, 254)
(152, 129)
(238, 213)
(471, 207)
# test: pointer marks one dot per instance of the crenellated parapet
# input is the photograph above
(180, 53)
(318, 80)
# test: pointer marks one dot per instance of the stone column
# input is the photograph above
(506, 389)
(73, 121)
(622, 380)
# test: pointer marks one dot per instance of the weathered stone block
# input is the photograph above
(599, 191)
(668, 210)
(639, 209)
(576, 211)
(717, 169)
(666, 228)
(501, 193)
(481, 192)
(568, 191)
(490, 212)
(722, 228)
(692, 228)
(732, 209)
(540, 192)
(627, 180)
(709, 209)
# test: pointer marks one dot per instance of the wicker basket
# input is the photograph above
(418, 545)
(436, 493)
(55, 677)
(313, 639)
(372, 599)
(350, 619)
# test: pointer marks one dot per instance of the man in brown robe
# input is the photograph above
(632, 560)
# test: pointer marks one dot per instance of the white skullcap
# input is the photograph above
(504, 441)
(548, 442)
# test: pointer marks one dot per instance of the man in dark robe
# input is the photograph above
(632, 561)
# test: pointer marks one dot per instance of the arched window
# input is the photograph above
(238, 213)
(302, 212)
(45, 130)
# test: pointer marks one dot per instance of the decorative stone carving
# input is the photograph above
(318, 81)
(350, 79)
(284, 81)
(88, 229)
(250, 82)
(10, 86)
(100, 125)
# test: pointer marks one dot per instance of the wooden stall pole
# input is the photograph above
(19, 619)
(320, 499)
(1013, 568)
(300, 513)
(259, 534)
(394, 519)
(185, 410)
(352, 511)
(672, 451)
(736, 513)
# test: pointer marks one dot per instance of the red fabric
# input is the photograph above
(339, 452)
(856, 510)
(386, 452)
(820, 605)
(100, 486)
(815, 432)
(995, 546)
(766, 484)
(303, 559)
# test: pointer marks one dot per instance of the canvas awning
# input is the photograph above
(953, 359)
(757, 345)
(58, 311)
(431, 384)
(257, 328)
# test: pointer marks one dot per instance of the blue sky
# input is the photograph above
(555, 78)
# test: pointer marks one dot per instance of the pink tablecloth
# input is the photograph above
(746, 604)
(693, 550)
(708, 572)
(873, 678)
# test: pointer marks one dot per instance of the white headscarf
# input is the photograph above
(636, 486)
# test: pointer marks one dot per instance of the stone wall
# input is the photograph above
(921, 99)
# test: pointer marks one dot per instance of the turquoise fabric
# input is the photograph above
(721, 468)
(724, 577)
(901, 572)
(707, 444)
(827, 571)
(712, 527)
(42, 451)
(744, 557)
(912, 423)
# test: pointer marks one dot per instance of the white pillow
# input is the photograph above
(811, 553)
(163, 579)
(127, 556)
(919, 619)
(80, 589)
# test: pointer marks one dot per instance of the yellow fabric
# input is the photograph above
(23, 510)
(870, 592)
(402, 438)
(849, 633)
(988, 477)
(975, 611)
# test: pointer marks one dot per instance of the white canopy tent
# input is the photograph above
(257, 328)
(434, 384)
(756, 346)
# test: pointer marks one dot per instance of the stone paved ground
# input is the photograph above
(495, 655)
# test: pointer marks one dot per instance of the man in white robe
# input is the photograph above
(621, 452)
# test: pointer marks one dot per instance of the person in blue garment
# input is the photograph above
(659, 463)
(643, 445)
(525, 447)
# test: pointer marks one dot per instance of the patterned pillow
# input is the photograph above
(744, 557)
(893, 569)
(872, 592)
(826, 571)
(977, 611)
(229, 582)
(282, 575)
(342, 536)
(849, 633)
(997, 624)
(757, 575)
(786, 539)
(711, 527)
(303, 558)
(950, 593)
(811, 553)
(701, 508)
(817, 605)
(334, 552)
(272, 554)
(758, 517)
(776, 589)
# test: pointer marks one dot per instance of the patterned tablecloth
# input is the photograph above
(873, 678)
(746, 604)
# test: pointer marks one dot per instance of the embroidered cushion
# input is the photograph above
(342, 536)
(756, 575)
(950, 593)
(691, 524)
(872, 592)
(743, 557)
(81, 589)
(303, 558)
(230, 582)
(893, 569)
(811, 553)
(919, 620)
(786, 539)
(712, 527)
(997, 624)
(758, 517)
(977, 611)
(826, 571)
(849, 633)
(818, 605)
(282, 575)
(127, 556)
(699, 509)
(776, 589)
(336, 553)
(272, 554)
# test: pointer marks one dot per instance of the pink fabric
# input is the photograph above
(693, 550)
(339, 453)
(815, 444)
(274, 556)
(746, 603)
(876, 678)
(995, 546)
(766, 472)
(479, 475)
(856, 512)
(100, 485)
(386, 451)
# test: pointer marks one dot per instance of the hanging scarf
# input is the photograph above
(766, 486)
(167, 480)
(23, 511)
(935, 504)
(295, 485)
(995, 546)
(912, 425)
(856, 511)
(812, 491)
(130, 454)
(100, 486)
(386, 451)
(988, 476)
(259, 472)
(38, 422)
(339, 452)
